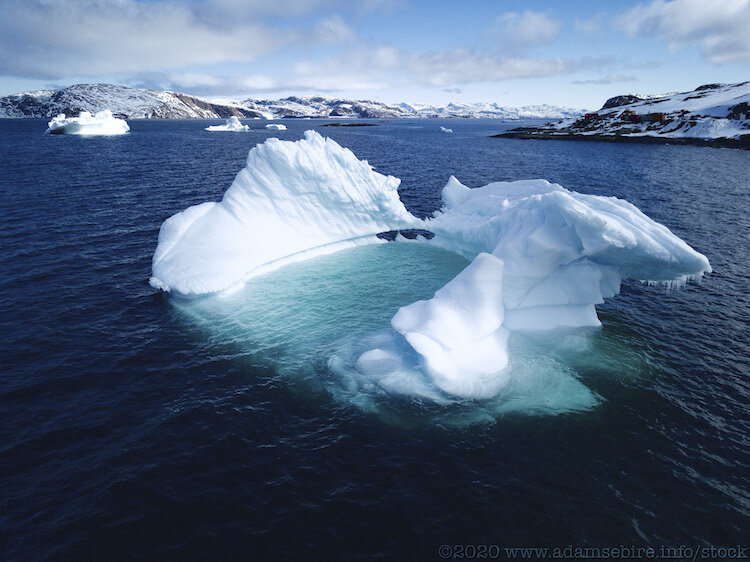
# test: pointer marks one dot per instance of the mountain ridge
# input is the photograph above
(138, 103)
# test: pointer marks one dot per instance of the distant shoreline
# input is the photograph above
(532, 134)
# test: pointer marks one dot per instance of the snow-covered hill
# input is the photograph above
(493, 110)
(710, 112)
(134, 103)
(131, 103)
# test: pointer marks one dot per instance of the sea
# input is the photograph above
(135, 425)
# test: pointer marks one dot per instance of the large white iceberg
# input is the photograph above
(102, 123)
(292, 200)
(541, 256)
(232, 125)
(276, 126)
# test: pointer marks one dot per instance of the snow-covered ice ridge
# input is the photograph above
(135, 103)
(712, 111)
(541, 256)
(103, 123)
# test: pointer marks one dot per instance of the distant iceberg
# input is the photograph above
(103, 123)
(445, 130)
(232, 125)
(276, 126)
(542, 257)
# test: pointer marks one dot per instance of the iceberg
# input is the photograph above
(276, 126)
(293, 200)
(445, 130)
(232, 125)
(555, 253)
(541, 257)
(102, 123)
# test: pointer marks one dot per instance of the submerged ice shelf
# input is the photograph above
(541, 257)
(102, 123)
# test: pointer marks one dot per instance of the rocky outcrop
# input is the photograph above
(626, 99)
(710, 115)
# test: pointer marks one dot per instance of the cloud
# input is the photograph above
(208, 84)
(592, 26)
(61, 38)
(720, 27)
(516, 30)
(333, 30)
(461, 66)
(103, 37)
(292, 8)
(387, 6)
(388, 66)
(243, 85)
(608, 79)
(254, 8)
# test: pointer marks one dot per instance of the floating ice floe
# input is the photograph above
(103, 123)
(276, 126)
(232, 125)
(541, 256)
(445, 130)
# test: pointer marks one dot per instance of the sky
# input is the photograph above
(574, 53)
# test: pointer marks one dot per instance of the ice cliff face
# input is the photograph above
(541, 256)
(292, 200)
(103, 123)
(232, 125)
(134, 103)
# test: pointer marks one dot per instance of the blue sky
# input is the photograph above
(574, 53)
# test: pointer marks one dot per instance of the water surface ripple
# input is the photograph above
(130, 431)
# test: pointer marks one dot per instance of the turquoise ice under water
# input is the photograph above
(309, 322)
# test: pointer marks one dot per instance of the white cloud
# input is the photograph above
(387, 6)
(608, 79)
(720, 27)
(517, 30)
(461, 66)
(193, 80)
(306, 78)
(386, 56)
(386, 65)
(333, 30)
(592, 26)
(61, 38)
(104, 37)
(248, 8)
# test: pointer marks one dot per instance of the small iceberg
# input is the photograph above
(445, 130)
(276, 126)
(232, 124)
(103, 123)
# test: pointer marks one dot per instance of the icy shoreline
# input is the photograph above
(535, 134)
(711, 115)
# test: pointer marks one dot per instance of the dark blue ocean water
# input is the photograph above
(129, 430)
